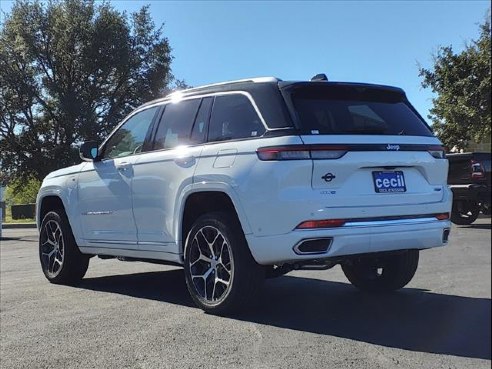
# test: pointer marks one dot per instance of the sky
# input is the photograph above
(380, 42)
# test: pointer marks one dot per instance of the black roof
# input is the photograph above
(267, 94)
(253, 84)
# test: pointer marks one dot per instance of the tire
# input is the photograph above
(464, 212)
(274, 271)
(221, 274)
(61, 260)
(382, 273)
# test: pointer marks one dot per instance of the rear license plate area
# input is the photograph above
(389, 181)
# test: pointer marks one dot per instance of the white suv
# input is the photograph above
(243, 180)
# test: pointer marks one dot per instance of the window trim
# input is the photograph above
(162, 106)
(214, 94)
(255, 107)
(207, 120)
(157, 123)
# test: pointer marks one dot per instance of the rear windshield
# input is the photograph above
(355, 110)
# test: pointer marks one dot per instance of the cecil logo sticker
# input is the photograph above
(389, 182)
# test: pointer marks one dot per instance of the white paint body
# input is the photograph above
(133, 206)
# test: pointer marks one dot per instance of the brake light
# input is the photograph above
(437, 151)
(326, 223)
(301, 152)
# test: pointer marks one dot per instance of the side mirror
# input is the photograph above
(89, 151)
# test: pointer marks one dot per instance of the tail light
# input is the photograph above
(477, 170)
(301, 152)
(437, 152)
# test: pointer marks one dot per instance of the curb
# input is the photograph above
(18, 225)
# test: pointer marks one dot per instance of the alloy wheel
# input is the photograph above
(52, 248)
(211, 265)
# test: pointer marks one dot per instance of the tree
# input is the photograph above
(70, 70)
(461, 109)
(28, 194)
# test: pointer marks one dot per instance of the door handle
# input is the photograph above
(123, 167)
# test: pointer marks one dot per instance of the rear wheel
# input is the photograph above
(465, 212)
(61, 260)
(221, 274)
(382, 273)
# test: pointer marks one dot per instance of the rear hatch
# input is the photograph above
(481, 168)
(469, 168)
(459, 169)
(368, 144)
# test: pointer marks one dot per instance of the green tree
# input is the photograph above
(461, 81)
(70, 70)
(27, 193)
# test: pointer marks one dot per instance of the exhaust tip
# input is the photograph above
(313, 246)
(445, 235)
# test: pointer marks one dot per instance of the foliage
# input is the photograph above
(70, 70)
(24, 192)
(461, 110)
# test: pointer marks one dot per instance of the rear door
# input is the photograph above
(162, 174)
(369, 146)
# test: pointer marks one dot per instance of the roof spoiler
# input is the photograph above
(320, 77)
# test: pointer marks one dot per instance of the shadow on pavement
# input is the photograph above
(23, 239)
(479, 226)
(411, 319)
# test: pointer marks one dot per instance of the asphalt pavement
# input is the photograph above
(138, 315)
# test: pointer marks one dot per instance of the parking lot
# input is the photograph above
(138, 315)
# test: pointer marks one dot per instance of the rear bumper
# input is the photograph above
(471, 192)
(364, 238)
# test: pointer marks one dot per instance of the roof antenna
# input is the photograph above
(320, 77)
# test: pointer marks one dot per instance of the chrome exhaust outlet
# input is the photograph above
(445, 235)
(313, 246)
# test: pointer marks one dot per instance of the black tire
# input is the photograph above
(275, 271)
(382, 273)
(61, 260)
(218, 236)
(464, 212)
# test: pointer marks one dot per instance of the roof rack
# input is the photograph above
(253, 80)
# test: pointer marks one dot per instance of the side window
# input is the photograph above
(175, 125)
(130, 137)
(200, 127)
(234, 117)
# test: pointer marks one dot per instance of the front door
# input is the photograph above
(105, 186)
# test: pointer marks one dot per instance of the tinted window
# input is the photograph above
(486, 165)
(175, 124)
(234, 117)
(200, 127)
(356, 111)
(130, 137)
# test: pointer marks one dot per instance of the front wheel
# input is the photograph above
(61, 260)
(384, 273)
(221, 274)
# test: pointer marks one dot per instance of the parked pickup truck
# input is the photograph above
(469, 179)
